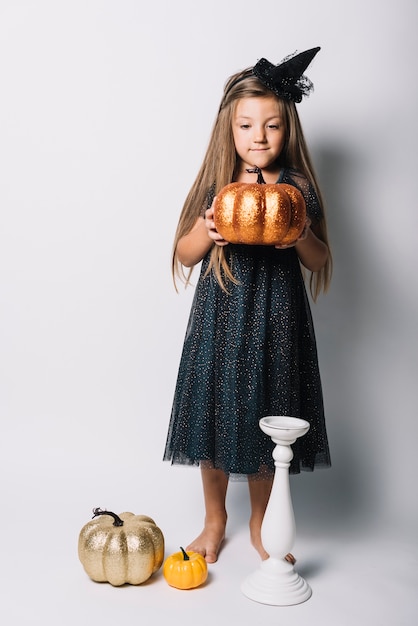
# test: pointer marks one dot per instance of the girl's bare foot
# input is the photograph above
(210, 540)
(290, 558)
(255, 533)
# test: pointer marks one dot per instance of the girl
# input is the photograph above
(250, 348)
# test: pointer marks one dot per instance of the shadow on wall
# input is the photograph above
(344, 495)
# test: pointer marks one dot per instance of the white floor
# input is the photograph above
(361, 571)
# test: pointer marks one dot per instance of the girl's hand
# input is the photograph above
(210, 225)
(302, 236)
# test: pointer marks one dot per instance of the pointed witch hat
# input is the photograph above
(286, 79)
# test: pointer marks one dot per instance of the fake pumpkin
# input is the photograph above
(185, 570)
(260, 214)
(120, 549)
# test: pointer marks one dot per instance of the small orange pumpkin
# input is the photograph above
(185, 570)
(260, 214)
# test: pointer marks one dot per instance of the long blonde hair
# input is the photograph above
(219, 167)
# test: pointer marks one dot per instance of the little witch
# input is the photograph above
(250, 347)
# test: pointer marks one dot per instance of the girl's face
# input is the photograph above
(258, 131)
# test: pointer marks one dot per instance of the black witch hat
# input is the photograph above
(286, 79)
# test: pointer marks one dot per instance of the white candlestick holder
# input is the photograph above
(275, 582)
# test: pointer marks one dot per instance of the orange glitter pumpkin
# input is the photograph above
(260, 214)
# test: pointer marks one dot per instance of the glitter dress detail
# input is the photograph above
(248, 354)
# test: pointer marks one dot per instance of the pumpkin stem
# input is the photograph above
(185, 555)
(117, 522)
(257, 170)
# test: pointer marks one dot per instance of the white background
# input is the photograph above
(105, 111)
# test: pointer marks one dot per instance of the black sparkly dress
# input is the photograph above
(248, 354)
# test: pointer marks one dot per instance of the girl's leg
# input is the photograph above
(208, 543)
(259, 496)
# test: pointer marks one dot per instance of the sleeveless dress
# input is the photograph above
(246, 355)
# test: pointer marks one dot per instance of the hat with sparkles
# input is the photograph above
(286, 79)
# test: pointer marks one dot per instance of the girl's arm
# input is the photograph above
(191, 248)
(311, 250)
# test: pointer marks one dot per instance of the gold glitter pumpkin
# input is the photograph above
(120, 549)
(260, 214)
